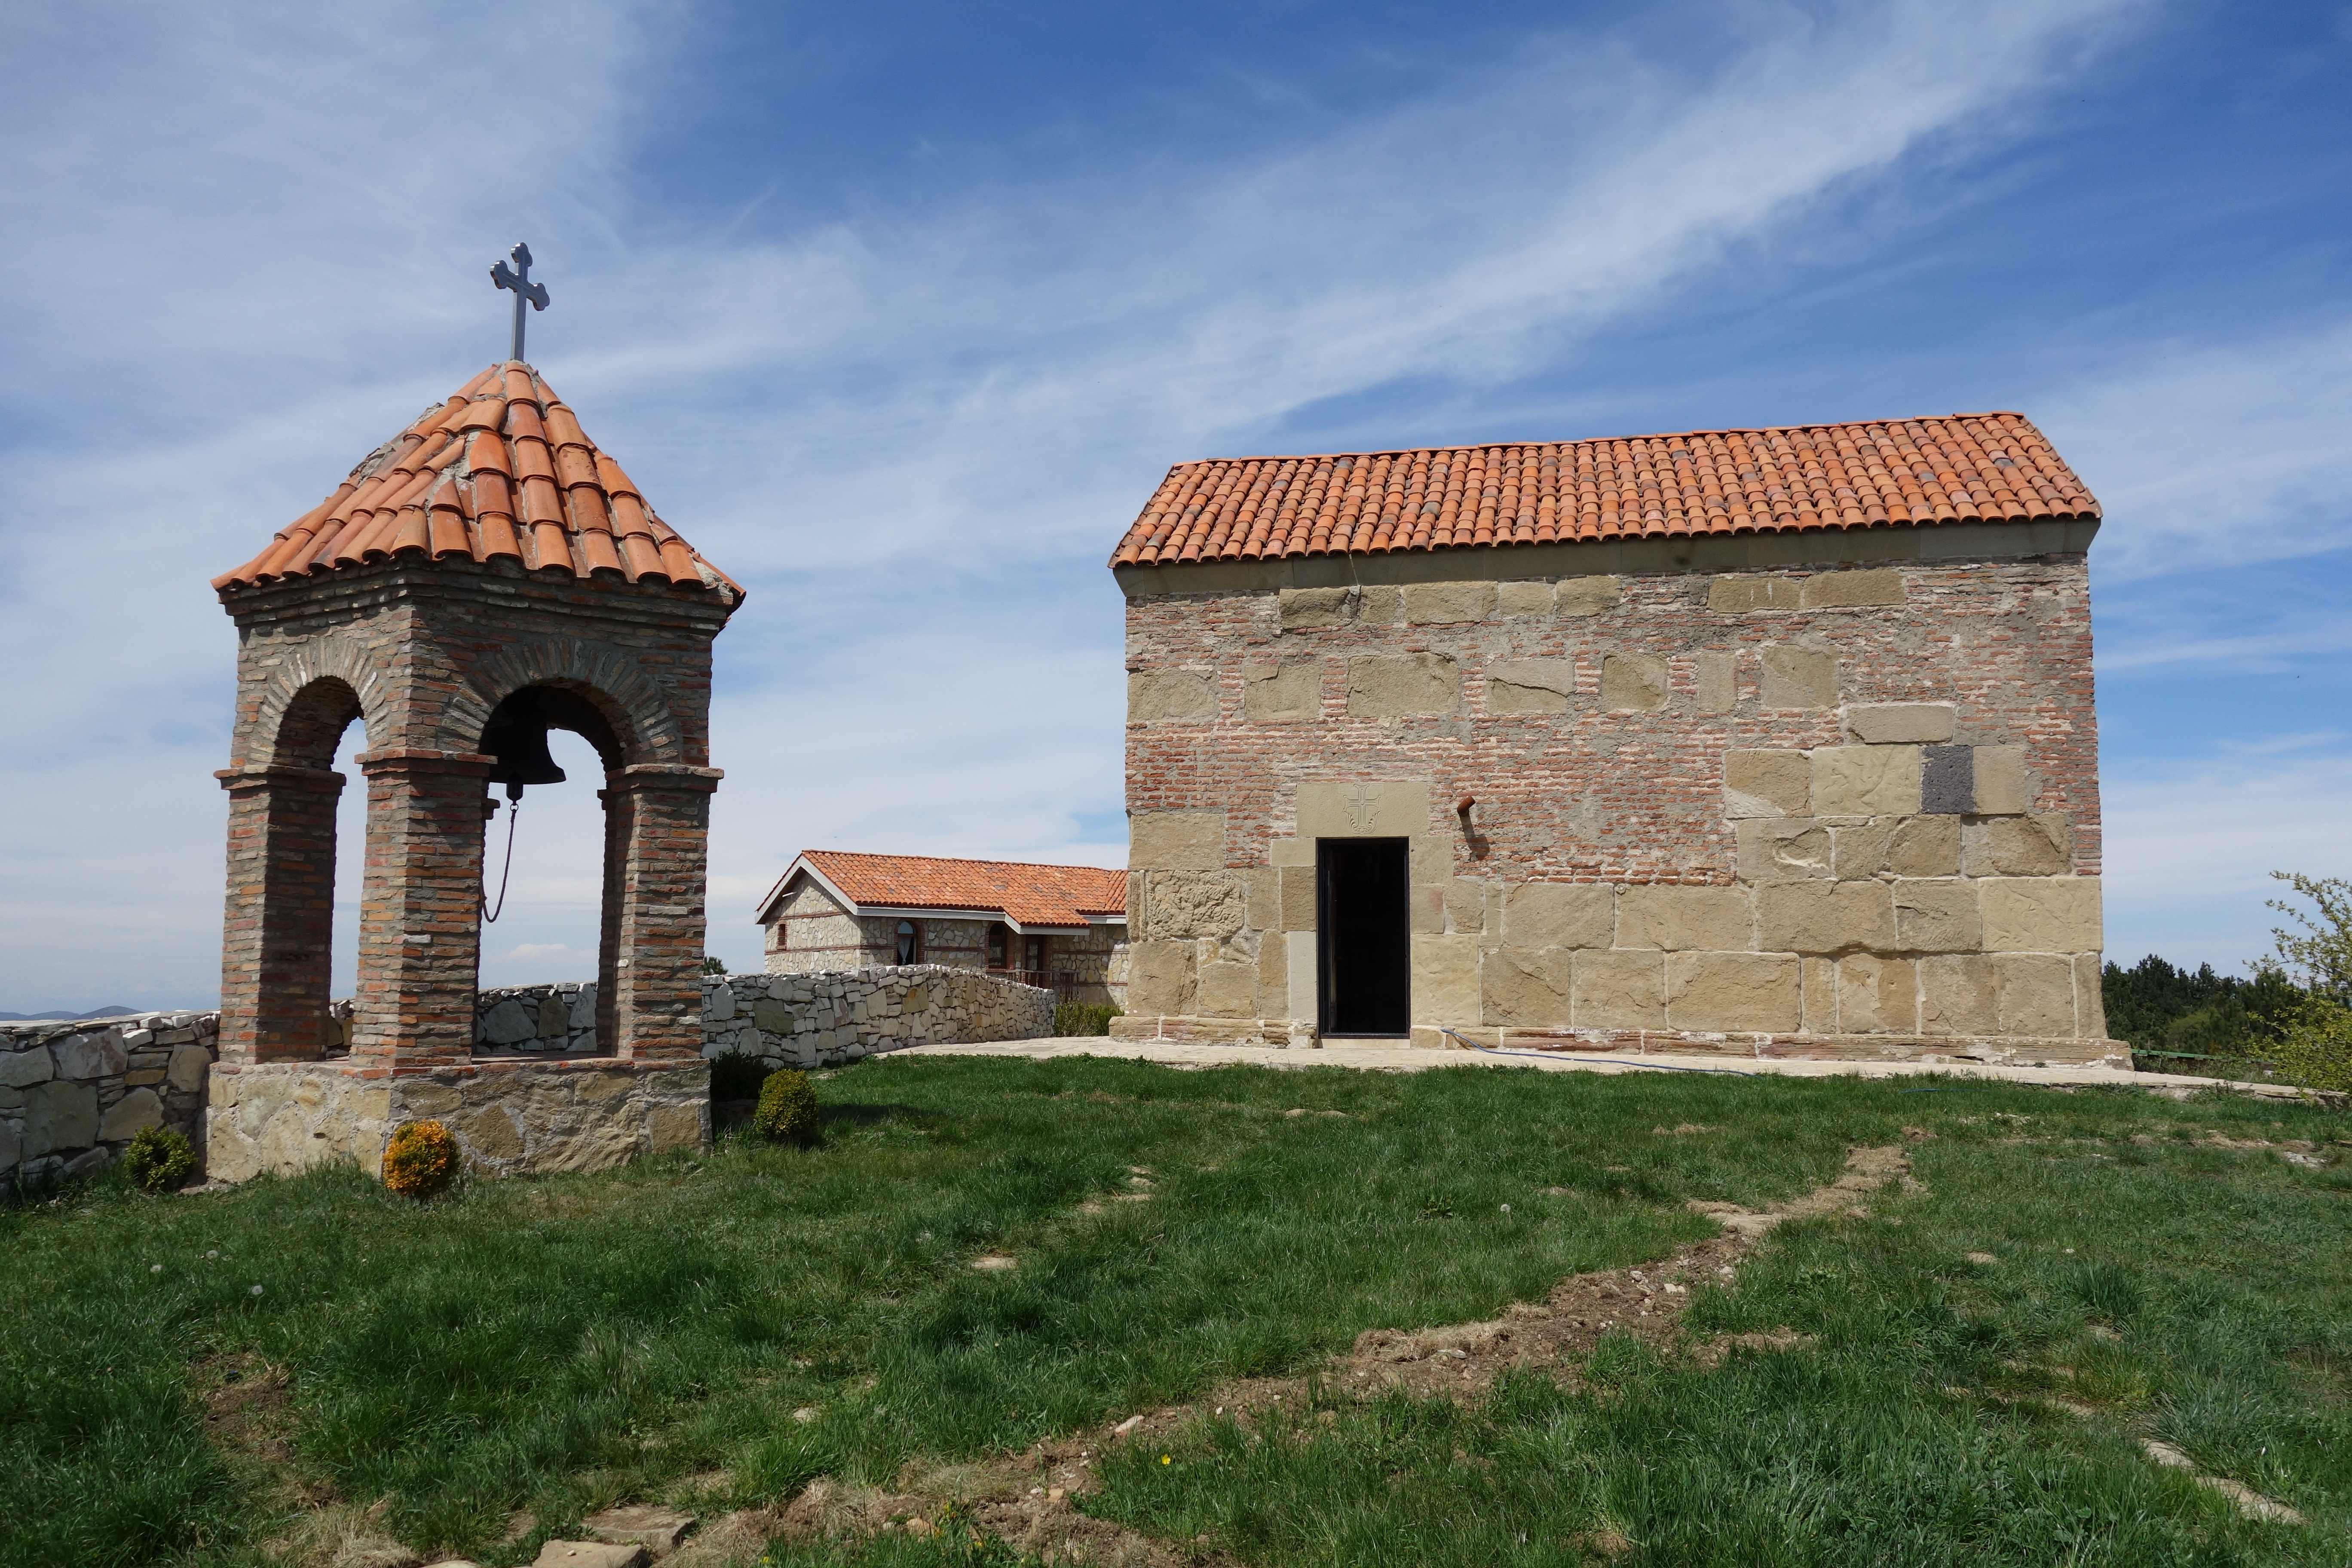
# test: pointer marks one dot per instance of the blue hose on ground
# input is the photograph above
(1615, 1061)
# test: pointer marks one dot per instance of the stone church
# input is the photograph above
(1772, 742)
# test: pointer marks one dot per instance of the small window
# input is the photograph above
(996, 947)
(910, 943)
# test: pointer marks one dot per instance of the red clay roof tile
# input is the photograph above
(1958, 468)
(1028, 894)
(477, 477)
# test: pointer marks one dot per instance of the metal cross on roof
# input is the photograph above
(518, 277)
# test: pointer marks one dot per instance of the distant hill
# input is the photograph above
(106, 1011)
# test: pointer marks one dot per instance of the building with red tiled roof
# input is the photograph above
(1777, 740)
(1046, 925)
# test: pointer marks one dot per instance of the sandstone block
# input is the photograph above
(1425, 908)
(1925, 846)
(2040, 914)
(1530, 685)
(1938, 916)
(1157, 694)
(1432, 855)
(1959, 996)
(2001, 787)
(1865, 781)
(126, 1116)
(590, 1554)
(1379, 604)
(1580, 597)
(1448, 604)
(1717, 677)
(2038, 844)
(1176, 840)
(1709, 918)
(1846, 590)
(1289, 852)
(1820, 976)
(1519, 601)
(1780, 849)
(22, 1069)
(1738, 596)
(1824, 916)
(1298, 898)
(1190, 904)
(1310, 609)
(1274, 979)
(1466, 904)
(2036, 991)
(1632, 682)
(1767, 784)
(2090, 999)
(1528, 988)
(1367, 808)
(490, 1134)
(1799, 678)
(1265, 888)
(1948, 780)
(1282, 693)
(1160, 977)
(1403, 686)
(1877, 995)
(1747, 991)
(1618, 990)
(1298, 961)
(1900, 724)
(669, 1127)
(1559, 914)
(1445, 980)
(85, 1056)
(1228, 989)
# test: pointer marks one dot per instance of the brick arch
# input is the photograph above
(320, 688)
(629, 699)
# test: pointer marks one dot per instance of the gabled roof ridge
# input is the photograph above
(1027, 892)
(1919, 470)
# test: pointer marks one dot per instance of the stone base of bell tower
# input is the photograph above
(511, 1118)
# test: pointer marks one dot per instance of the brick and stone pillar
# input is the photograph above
(658, 819)
(277, 940)
(420, 910)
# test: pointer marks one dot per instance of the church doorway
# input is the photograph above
(1364, 975)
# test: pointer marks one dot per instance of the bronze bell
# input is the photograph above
(517, 736)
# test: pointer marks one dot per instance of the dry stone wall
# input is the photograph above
(559, 1018)
(72, 1094)
(816, 1020)
(1836, 811)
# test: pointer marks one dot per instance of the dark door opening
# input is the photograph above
(1363, 973)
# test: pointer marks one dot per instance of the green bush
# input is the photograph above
(2315, 1047)
(737, 1075)
(159, 1160)
(1083, 1018)
(788, 1112)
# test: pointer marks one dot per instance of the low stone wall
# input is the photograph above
(73, 1093)
(818, 1019)
(559, 1018)
(510, 1117)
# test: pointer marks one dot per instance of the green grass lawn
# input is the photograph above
(556, 1345)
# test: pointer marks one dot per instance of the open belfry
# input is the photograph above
(483, 577)
(1775, 743)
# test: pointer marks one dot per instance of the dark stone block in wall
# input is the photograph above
(1947, 782)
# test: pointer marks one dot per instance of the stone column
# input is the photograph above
(277, 940)
(420, 910)
(660, 816)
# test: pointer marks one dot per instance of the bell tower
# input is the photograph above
(484, 575)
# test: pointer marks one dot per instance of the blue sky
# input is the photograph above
(899, 312)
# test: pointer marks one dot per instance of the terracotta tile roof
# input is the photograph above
(501, 470)
(1961, 467)
(1028, 895)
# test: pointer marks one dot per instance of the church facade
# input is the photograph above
(1765, 743)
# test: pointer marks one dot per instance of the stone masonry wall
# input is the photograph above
(1835, 812)
(559, 1018)
(815, 1020)
(73, 1093)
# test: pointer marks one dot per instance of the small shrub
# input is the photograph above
(420, 1160)
(788, 1112)
(2314, 1048)
(1083, 1018)
(714, 966)
(737, 1075)
(159, 1160)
